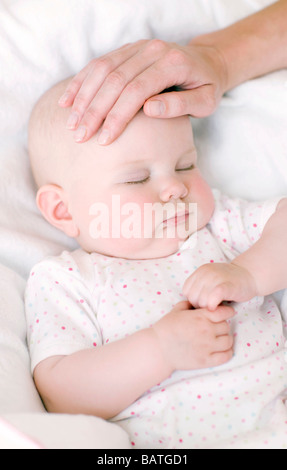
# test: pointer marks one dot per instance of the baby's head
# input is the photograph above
(132, 199)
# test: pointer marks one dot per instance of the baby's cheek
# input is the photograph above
(201, 194)
(116, 227)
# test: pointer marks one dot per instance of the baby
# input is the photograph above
(135, 326)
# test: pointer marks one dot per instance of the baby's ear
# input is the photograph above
(53, 203)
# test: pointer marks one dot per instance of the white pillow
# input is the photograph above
(243, 146)
(56, 431)
(17, 390)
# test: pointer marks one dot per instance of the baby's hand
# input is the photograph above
(195, 339)
(212, 284)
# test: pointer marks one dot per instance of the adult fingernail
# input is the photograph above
(64, 99)
(104, 137)
(73, 121)
(156, 108)
(80, 134)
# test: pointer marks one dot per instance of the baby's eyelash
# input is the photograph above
(191, 167)
(139, 182)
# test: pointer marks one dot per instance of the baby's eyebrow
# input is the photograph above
(139, 164)
(138, 161)
(132, 165)
(189, 151)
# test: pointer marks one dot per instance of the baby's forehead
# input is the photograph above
(143, 139)
(137, 141)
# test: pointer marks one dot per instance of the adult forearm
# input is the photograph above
(253, 46)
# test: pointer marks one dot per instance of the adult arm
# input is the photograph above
(252, 47)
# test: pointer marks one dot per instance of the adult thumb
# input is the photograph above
(198, 102)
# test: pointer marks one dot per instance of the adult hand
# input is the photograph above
(110, 90)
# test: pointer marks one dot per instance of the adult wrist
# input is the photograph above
(213, 47)
(251, 47)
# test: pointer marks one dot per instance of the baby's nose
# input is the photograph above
(172, 188)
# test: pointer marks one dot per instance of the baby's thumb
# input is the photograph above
(183, 305)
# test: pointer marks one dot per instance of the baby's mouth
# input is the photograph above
(177, 219)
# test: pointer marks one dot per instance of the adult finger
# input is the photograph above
(85, 86)
(198, 102)
(109, 92)
(152, 81)
(102, 65)
(73, 87)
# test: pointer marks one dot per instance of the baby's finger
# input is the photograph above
(222, 329)
(188, 285)
(194, 284)
(222, 292)
(183, 305)
(199, 294)
(220, 358)
(223, 343)
(215, 298)
(222, 313)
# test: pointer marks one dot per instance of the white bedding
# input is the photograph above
(243, 150)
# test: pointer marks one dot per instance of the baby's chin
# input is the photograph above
(135, 250)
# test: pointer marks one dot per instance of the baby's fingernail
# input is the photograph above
(80, 134)
(156, 108)
(64, 99)
(104, 137)
(73, 121)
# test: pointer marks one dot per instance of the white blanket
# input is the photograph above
(243, 150)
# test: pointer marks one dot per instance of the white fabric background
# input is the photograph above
(243, 151)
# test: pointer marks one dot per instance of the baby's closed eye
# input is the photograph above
(139, 181)
(187, 168)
